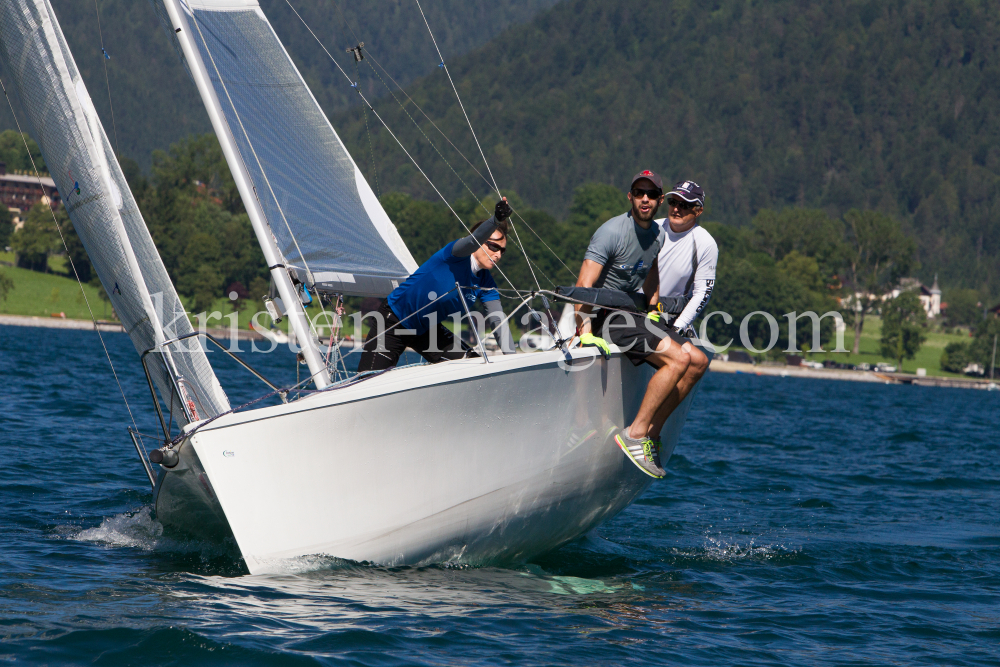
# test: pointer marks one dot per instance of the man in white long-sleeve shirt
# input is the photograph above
(686, 267)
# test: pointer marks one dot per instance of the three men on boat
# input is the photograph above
(666, 267)
(445, 286)
(629, 253)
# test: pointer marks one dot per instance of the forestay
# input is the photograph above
(322, 212)
(62, 119)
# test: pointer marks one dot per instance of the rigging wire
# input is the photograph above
(518, 242)
(72, 264)
(357, 39)
(457, 97)
(457, 150)
(343, 17)
(371, 147)
(391, 133)
(107, 79)
(445, 160)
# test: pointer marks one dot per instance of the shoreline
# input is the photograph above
(717, 365)
(720, 366)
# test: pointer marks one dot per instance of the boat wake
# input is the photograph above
(139, 530)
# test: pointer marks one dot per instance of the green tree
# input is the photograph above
(749, 280)
(877, 254)
(13, 154)
(6, 286)
(955, 357)
(6, 226)
(199, 276)
(196, 164)
(981, 347)
(36, 239)
(810, 232)
(904, 327)
(75, 251)
(196, 219)
(964, 307)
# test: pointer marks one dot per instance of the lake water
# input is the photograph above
(802, 522)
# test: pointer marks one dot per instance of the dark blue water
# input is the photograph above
(801, 523)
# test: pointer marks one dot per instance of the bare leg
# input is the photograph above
(696, 369)
(672, 363)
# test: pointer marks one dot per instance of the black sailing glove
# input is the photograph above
(502, 211)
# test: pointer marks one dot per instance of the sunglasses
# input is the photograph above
(655, 193)
(681, 204)
(496, 247)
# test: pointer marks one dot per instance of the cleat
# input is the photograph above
(644, 453)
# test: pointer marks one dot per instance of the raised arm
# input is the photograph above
(471, 243)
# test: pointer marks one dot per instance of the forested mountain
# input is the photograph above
(887, 105)
(875, 105)
(156, 103)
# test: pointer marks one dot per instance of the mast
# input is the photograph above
(275, 262)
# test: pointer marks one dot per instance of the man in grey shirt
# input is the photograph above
(619, 257)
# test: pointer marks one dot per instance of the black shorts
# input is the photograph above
(634, 333)
(383, 351)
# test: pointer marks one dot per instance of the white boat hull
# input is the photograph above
(458, 462)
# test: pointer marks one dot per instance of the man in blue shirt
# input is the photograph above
(412, 314)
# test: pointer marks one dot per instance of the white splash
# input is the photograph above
(139, 530)
(723, 549)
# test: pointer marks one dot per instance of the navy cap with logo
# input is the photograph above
(689, 191)
(650, 176)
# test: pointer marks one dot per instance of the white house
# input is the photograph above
(930, 298)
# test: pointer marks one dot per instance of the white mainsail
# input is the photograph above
(321, 211)
(62, 119)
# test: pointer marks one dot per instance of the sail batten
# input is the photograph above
(320, 209)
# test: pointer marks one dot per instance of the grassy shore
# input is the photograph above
(46, 294)
(929, 356)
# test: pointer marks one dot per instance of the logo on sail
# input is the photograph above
(75, 190)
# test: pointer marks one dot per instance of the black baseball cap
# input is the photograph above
(650, 176)
(690, 192)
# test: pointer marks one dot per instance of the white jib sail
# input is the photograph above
(323, 214)
(62, 119)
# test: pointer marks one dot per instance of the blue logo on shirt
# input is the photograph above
(632, 270)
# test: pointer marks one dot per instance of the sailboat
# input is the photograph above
(473, 461)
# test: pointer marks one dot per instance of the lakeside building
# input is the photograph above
(19, 192)
(930, 297)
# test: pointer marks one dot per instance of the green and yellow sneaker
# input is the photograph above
(643, 452)
(657, 446)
